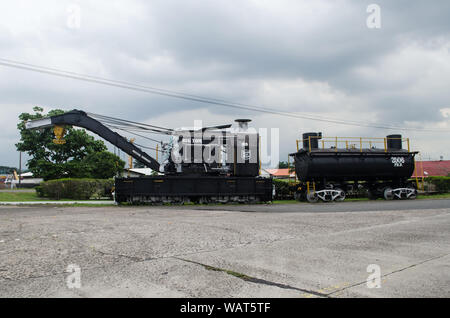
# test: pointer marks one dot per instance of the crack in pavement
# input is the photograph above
(293, 239)
(254, 279)
(140, 260)
(229, 272)
(135, 259)
(389, 274)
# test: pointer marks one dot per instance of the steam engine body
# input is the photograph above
(205, 166)
(202, 164)
(331, 173)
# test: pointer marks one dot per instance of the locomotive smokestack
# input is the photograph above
(394, 142)
(314, 137)
(243, 124)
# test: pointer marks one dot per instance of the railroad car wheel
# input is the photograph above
(388, 194)
(312, 197)
(413, 196)
(341, 196)
(412, 186)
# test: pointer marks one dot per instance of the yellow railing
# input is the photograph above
(359, 143)
(259, 156)
(420, 178)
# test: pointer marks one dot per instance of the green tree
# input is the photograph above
(7, 170)
(138, 164)
(52, 161)
(282, 165)
(285, 164)
(103, 165)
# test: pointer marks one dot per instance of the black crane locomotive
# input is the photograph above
(203, 164)
(329, 173)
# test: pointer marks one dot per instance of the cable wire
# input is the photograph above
(196, 98)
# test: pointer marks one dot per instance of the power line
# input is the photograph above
(133, 133)
(127, 122)
(142, 130)
(196, 98)
(151, 148)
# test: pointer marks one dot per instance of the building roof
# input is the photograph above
(432, 168)
(280, 172)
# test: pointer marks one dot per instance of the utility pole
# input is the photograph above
(20, 168)
(130, 159)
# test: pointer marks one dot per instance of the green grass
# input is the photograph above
(76, 205)
(25, 196)
(18, 196)
(285, 201)
(434, 196)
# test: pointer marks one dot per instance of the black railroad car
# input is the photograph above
(329, 168)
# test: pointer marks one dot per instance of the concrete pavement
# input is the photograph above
(203, 251)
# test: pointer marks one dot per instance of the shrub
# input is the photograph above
(283, 189)
(77, 189)
(441, 184)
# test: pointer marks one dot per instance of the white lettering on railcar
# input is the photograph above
(398, 161)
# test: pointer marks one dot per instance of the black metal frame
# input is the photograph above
(193, 189)
(81, 119)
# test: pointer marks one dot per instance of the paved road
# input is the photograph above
(202, 251)
(355, 206)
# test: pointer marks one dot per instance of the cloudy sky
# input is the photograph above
(308, 57)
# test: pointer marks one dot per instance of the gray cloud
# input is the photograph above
(303, 56)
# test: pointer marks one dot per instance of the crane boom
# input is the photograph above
(81, 119)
